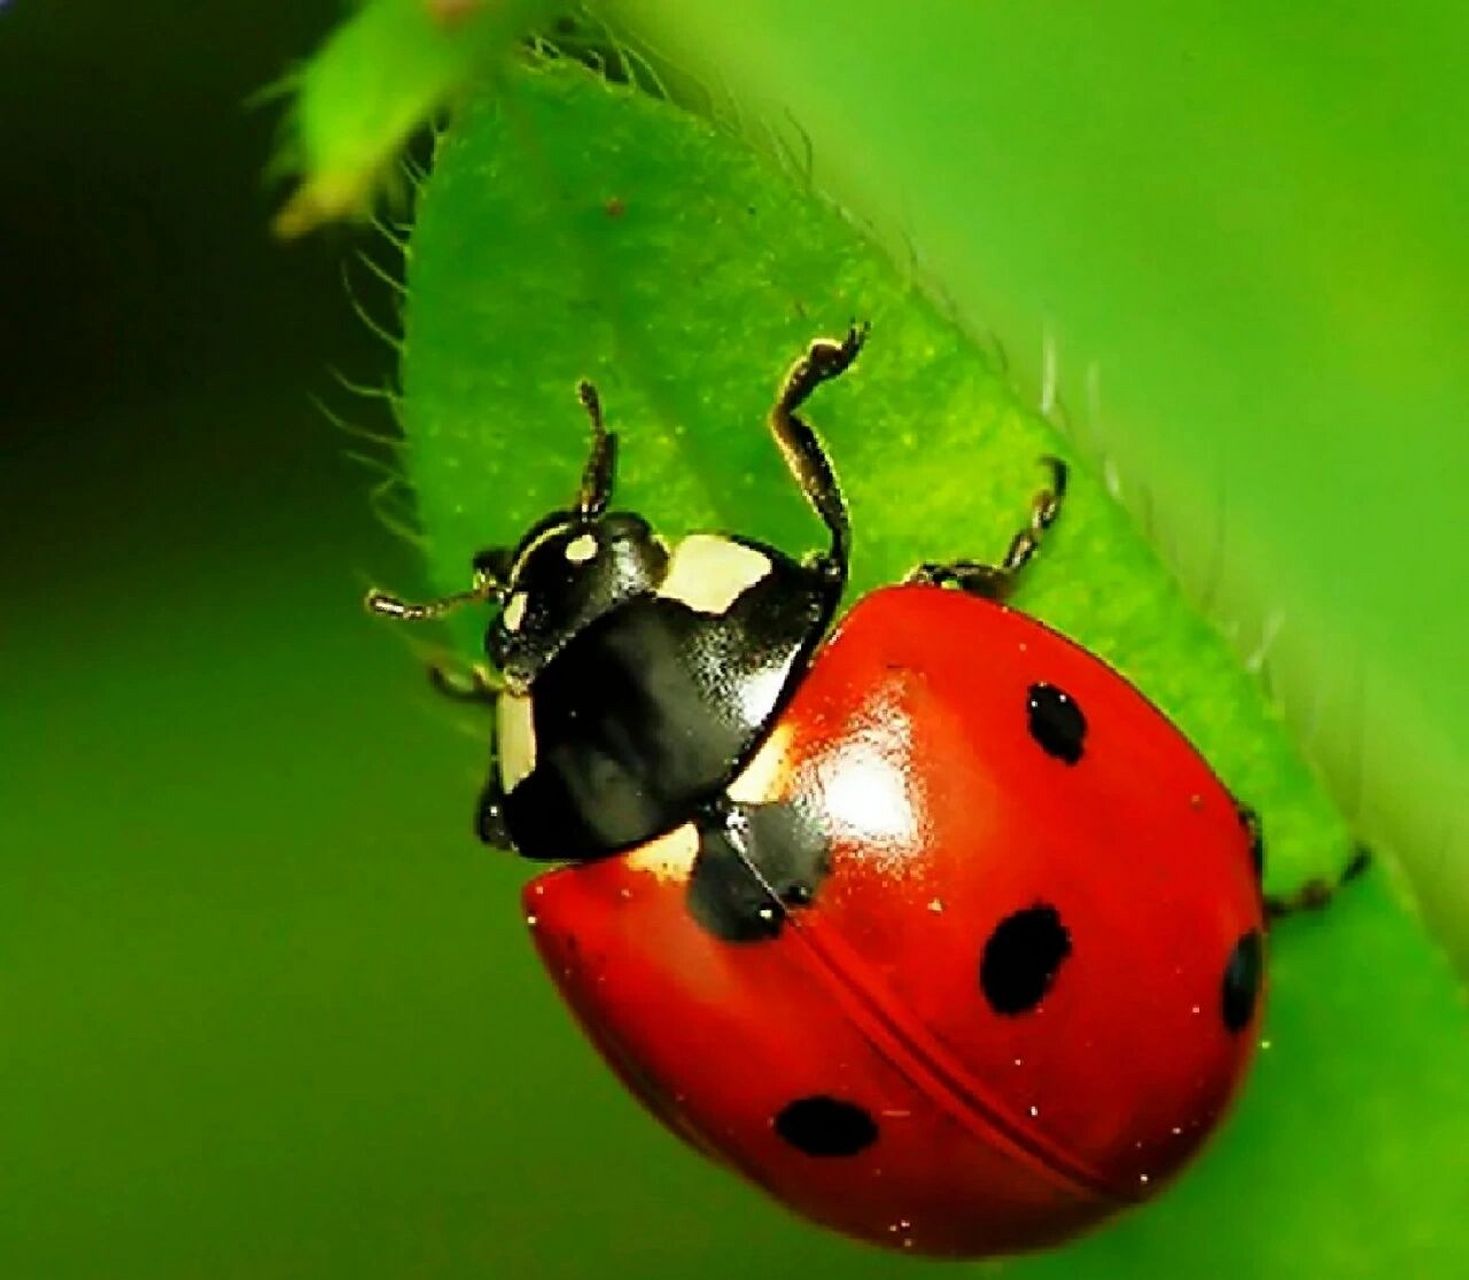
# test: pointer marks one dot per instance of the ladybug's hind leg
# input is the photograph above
(1317, 892)
(996, 581)
(802, 449)
(1314, 893)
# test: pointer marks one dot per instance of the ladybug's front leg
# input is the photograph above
(479, 685)
(475, 683)
(995, 582)
(802, 449)
(489, 814)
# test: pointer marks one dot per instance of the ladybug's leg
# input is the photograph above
(1044, 508)
(479, 685)
(1250, 821)
(995, 582)
(489, 813)
(977, 579)
(1317, 892)
(475, 683)
(803, 451)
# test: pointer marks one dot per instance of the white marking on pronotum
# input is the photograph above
(515, 738)
(669, 857)
(514, 613)
(581, 548)
(709, 573)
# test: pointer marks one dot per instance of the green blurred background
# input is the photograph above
(264, 1009)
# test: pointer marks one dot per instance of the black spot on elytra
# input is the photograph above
(823, 1126)
(1250, 821)
(1022, 957)
(1241, 985)
(746, 851)
(1055, 722)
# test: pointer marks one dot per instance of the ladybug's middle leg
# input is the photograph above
(800, 446)
(475, 683)
(996, 581)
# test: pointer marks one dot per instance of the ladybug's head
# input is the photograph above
(569, 568)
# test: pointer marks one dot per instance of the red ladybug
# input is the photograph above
(935, 928)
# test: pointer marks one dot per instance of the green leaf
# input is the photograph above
(571, 229)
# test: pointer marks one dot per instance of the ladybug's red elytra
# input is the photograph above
(932, 927)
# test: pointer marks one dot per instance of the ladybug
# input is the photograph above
(928, 924)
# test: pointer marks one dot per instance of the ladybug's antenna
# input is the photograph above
(598, 475)
(484, 587)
